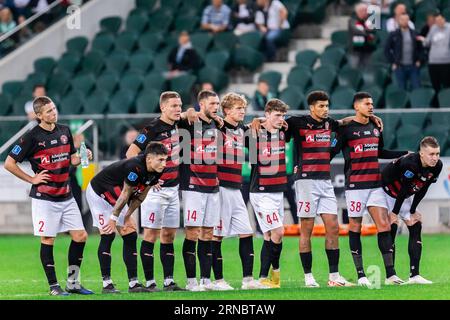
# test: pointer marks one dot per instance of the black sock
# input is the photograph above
(167, 256)
(247, 256)
(306, 259)
(147, 259)
(415, 248)
(356, 249)
(333, 260)
(394, 228)
(275, 253)
(265, 260)
(189, 258)
(104, 254)
(75, 258)
(217, 261)
(48, 263)
(204, 252)
(385, 246)
(130, 254)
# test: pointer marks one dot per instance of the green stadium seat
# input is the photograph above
(397, 99)
(225, 41)
(273, 78)
(247, 58)
(299, 77)
(12, 88)
(382, 36)
(121, 102)
(422, 97)
(131, 81)
(391, 122)
(103, 42)
(342, 98)
(324, 77)
(187, 23)
(148, 102)
(340, 38)
(376, 76)
(111, 24)
(93, 62)
(440, 119)
(183, 85)
(306, 58)
(160, 62)
(444, 98)
(44, 65)
(172, 4)
(217, 59)
(161, 20)
(136, 23)
(96, 103)
(151, 41)
(440, 133)
(117, 62)
(126, 41)
(83, 83)
(18, 108)
(404, 134)
(32, 80)
(72, 103)
(68, 63)
(147, 5)
(154, 80)
(425, 80)
(77, 45)
(312, 11)
(218, 78)
(251, 39)
(201, 41)
(446, 13)
(378, 59)
(58, 82)
(140, 62)
(293, 97)
(334, 57)
(107, 82)
(5, 104)
(415, 119)
(350, 78)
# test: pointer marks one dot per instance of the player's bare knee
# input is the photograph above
(276, 235)
(48, 240)
(217, 238)
(79, 236)
(168, 235)
(192, 233)
(206, 234)
(151, 235)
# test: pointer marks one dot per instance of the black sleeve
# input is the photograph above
(388, 154)
(334, 124)
(418, 197)
(23, 149)
(337, 143)
(401, 196)
(291, 121)
(387, 49)
(72, 145)
(144, 138)
(131, 175)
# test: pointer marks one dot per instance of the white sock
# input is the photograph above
(168, 281)
(132, 283)
(333, 276)
(309, 276)
(247, 279)
(106, 283)
(192, 281)
(149, 283)
(205, 281)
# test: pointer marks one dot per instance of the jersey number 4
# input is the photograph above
(274, 217)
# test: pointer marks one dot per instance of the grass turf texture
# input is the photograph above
(22, 276)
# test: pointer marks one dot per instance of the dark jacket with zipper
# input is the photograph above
(393, 49)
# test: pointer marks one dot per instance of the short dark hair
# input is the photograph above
(39, 102)
(276, 105)
(317, 95)
(205, 94)
(156, 148)
(166, 95)
(429, 142)
(361, 95)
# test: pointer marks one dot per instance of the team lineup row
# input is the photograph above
(213, 207)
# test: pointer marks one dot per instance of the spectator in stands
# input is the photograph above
(183, 58)
(38, 91)
(243, 17)
(262, 95)
(404, 51)
(438, 40)
(271, 19)
(362, 37)
(392, 23)
(128, 139)
(216, 17)
(7, 24)
(430, 22)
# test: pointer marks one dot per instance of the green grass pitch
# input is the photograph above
(22, 277)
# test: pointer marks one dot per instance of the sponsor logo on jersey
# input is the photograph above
(141, 138)
(54, 142)
(359, 148)
(266, 152)
(310, 138)
(41, 144)
(165, 134)
(357, 133)
(409, 174)
(309, 125)
(367, 133)
(132, 176)
(16, 150)
(64, 139)
(333, 144)
(45, 159)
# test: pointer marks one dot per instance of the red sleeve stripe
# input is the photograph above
(59, 177)
(316, 144)
(52, 151)
(365, 177)
(353, 143)
(391, 189)
(110, 198)
(118, 191)
(169, 175)
(397, 184)
(53, 191)
(230, 177)
(272, 181)
(200, 168)
(316, 168)
(365, 165)
(316, 156)
(203, 182)
(365, 154)
(272, 169)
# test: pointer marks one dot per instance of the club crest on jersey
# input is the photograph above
(16, 150)
(376, 132)
(141, 138)
(281, 135)
(327, 125)
(359, 148)
(132, 176)
(430, 175)
(64, 139)
(409, 174)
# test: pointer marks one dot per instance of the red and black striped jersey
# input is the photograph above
(362, 146)
(198, 171)
(312, 140)
(108, 183)
(167, 134)
(231, 155)
(48, 150)
(406, 176)
(269, 170)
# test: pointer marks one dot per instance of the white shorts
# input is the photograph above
(359, 200)
(269, 209)
(201, 209)
(161, 209)
(315, 197)
(404, 213)
(101, 210)
(51, 218)
(234, 219)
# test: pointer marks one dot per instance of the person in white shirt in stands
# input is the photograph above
(243, 17)
(392, 23)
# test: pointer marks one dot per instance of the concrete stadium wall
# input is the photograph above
(52, 42)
